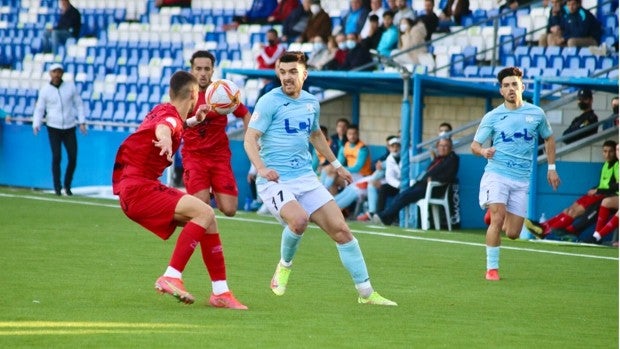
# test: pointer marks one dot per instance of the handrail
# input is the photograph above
(580, 143)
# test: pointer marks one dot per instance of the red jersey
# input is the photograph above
(209, 137)
(137, 157)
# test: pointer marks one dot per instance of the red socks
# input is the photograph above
(189, 238)
(559, 221)
(609, 227)
(603, 217)
(213, 256)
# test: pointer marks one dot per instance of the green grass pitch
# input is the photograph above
(76, 273)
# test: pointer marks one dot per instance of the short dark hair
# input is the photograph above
(345, 120)
(609, 143)
(373, 18)
(294, 57)
(446, 124)
(510, 71)
(273, 31)
(388, 13)
(180, 83)
(202, 54)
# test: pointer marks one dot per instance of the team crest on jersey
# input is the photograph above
(255, 116)
(172, 121)
(529, 119)
(310, 108)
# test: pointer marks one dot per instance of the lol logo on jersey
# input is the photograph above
(300, 127)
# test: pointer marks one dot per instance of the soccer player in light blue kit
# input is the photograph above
(276, 141)
(514, 128)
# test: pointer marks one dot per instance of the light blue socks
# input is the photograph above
(492, 257)
(288, 246)
(352, 259)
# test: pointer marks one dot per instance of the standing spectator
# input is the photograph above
(429, 18)
(513, 127)
(270, 53)
(206, 150)
(376, 9)
(339, 138)
(140, 161)
(453, 12)
(355, 156)
(60, 103)
(69, 25)
(296, 23)
(321, 52)
(579, 27)
(389, 38)
(283, 10)
(287, 184)
(354, 20)
(391, 5)
(585, 119)
(442, 169)
(372, 40)
(357, 56)
(553, 35)
(319, 24)
(403, 11)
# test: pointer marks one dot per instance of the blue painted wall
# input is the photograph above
(25, 162)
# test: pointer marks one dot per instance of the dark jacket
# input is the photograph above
(442, 169)
(581, 24)
(357, 57)
(583, 120)
(71, 21)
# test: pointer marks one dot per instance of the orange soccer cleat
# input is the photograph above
(226, 300)
(175, 288)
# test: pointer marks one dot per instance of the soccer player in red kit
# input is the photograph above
(206, 151)
(140, 161)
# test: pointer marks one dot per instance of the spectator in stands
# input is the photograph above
(411, 35)
(453, 12)
(376, 9)
(613, 118)
(429, 18)
(391, 5)
(372, 40)
(579, 27)
(318, 160)
(355, 156)
(442, 169)
(173, 3)
(385, 181)
(319, 24)
(607, 186)
(258, 13)
(404, 11)
(353, 21)
(340, 55)
(339, 139)
(553, 36)
(322, 52)
(270, 53)
(297, 21)
(61, 104)
(68, 25)
(509, 5)
(389, 37)
(357, 56)
(587, 118)
(283, 10)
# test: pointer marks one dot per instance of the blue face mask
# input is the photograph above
(318, 46)
(351, 44)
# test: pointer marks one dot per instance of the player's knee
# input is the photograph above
(206, 217)
(513, 235)
(298, 225)
(228, 211)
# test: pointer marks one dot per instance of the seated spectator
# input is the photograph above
(579, 27)
(321, 52)
(509, 5)
(379, 190)
(587, 118)
(257, 14)
(319, 24)
(355, 156)
(389, 37)
(372, 40)
(553, 35)
(296, 22)
(357, 56)
(376, 9)
(270, 53)
(607, 186)
(353, 21)
(391, 5)
(612, 120)
(442, 169)
(68, 25)
(453, 12)
(411, 36)
(403, 11)
(283, 10)
(340, 55)
(173, 3)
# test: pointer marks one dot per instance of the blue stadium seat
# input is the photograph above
(533, 72)
(573, 62)
(96, 110)
(471, 71)
(525, 61)
(589, 62)
(486, 72)
(131, 113)
(555, 61)
(457, 65)
(540, 61)
(553, 50)
(521, 50)
(470, 55)
(607, 62)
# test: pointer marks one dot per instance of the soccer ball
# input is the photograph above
(223, 96)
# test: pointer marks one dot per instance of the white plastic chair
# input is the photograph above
(433, 202)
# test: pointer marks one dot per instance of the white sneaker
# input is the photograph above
(263, 210)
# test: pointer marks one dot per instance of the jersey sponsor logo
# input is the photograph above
(302, 126)
(172, 121)
(517, 135)
(295, 163)
(530, 119)
(255, 116)
(310, 108)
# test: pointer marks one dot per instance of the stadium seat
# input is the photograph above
(556, 61)
(471, 71)
(457, 65)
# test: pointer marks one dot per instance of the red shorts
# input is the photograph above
(150, 204)
(589, 200)
(208, 174)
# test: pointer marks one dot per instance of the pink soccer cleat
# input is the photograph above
(175, 288)
(226, 300)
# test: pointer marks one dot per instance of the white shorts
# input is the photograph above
(496, 189)
(306, 190)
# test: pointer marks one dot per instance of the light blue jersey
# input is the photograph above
(514, 134)
(286, 124)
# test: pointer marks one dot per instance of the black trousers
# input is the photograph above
(57, 138)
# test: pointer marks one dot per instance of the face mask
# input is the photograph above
(271, 42)
(315, 9)
(342, 45)
(351, 44)
(318, 46)
(615, 110)
(583, 105)
(404, 28)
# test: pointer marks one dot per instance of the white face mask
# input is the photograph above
(318, 46)
(342, 45)
(351, 44)
(404, 28)
(314, 8)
